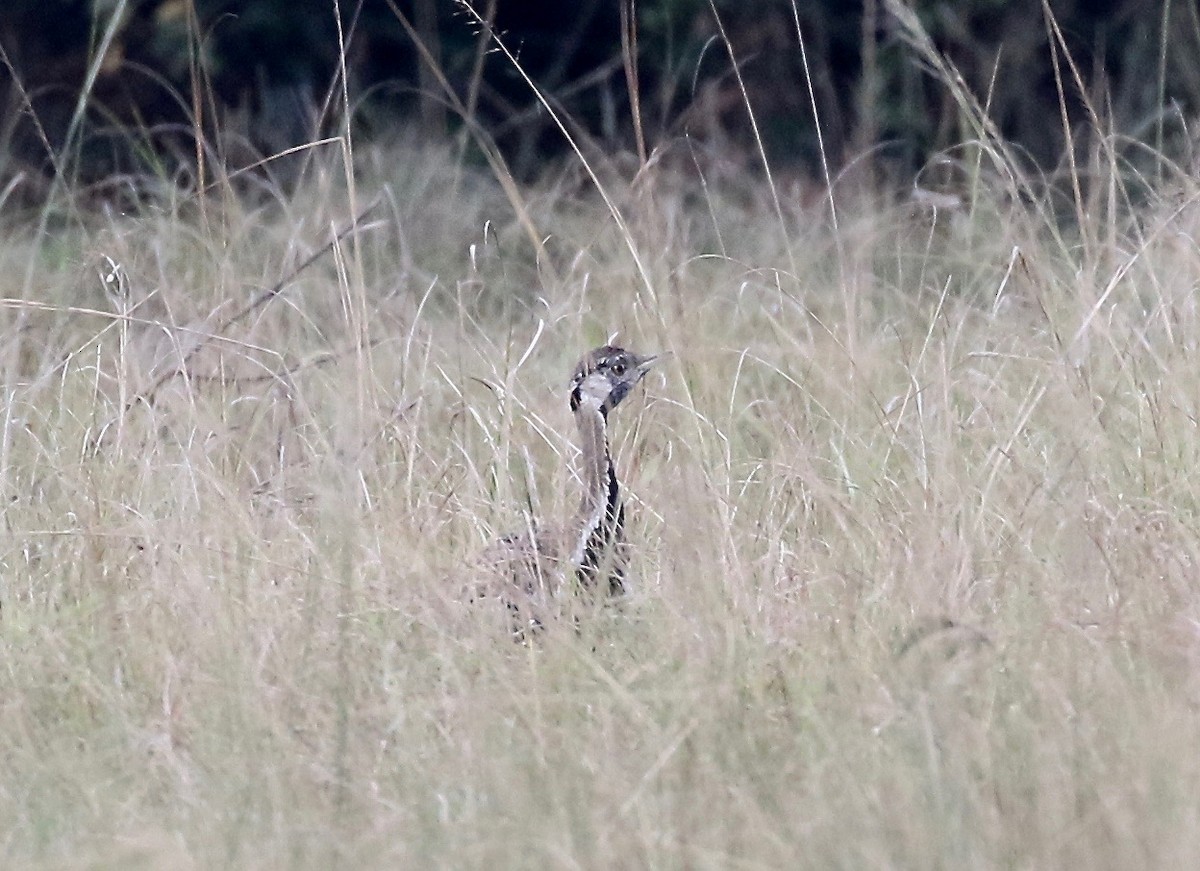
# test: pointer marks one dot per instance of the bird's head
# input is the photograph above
(605, 376)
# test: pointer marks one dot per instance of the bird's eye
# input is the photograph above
(618, 367)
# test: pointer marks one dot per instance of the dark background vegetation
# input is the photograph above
(260, 76)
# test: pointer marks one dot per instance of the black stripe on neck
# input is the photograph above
(599, 547)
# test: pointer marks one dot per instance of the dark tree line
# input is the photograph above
(258, 76)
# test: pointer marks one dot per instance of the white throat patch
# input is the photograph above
(593, 390)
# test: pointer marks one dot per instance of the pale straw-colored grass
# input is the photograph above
(914, 521)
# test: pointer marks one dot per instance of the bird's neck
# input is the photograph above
(598, 521)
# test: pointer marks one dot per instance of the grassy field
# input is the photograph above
(912, 494)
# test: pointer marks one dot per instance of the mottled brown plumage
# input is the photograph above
(528, 569)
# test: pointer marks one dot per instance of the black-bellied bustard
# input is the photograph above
(527, 570)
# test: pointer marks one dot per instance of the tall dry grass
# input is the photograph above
(916, 546)
(912, 500)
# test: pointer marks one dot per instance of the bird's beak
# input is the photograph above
(644, 363)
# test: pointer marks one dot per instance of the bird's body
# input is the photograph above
(528, 569)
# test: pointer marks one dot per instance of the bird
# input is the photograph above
(529, 570)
